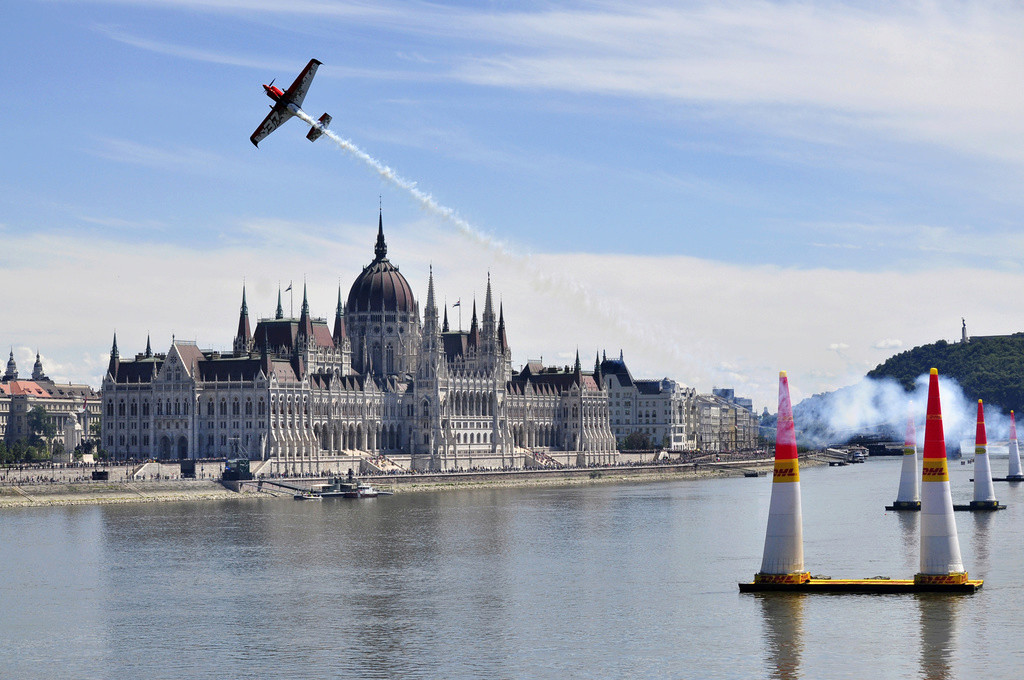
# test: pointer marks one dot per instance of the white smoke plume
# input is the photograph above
(542, 281)
(882, 406)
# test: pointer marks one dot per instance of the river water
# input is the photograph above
(634, 580)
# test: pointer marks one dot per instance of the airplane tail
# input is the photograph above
(318, 129)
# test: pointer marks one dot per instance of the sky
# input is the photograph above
(720, 191)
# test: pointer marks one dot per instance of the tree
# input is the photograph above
(40, 425)
(637, 441)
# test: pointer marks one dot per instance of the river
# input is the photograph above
(632, 580)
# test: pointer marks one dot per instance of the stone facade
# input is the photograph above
(383, 387)
(663, 409)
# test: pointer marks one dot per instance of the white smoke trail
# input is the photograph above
(567, 289)
(880, 405)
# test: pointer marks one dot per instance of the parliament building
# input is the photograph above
(383, 388)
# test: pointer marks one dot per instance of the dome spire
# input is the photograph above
(37, 369)
(381, 249)
(12, 368)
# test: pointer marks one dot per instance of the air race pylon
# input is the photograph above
(941, 563)
(909, 495)
(1015, 474)
(783, 560)
(984, 491)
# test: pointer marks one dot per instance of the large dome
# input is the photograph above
(380, 287)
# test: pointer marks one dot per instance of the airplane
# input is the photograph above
(288, 103)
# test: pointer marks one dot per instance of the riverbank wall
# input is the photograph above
(73, 488)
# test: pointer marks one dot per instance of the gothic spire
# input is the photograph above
(339, 322)
(381, 249)
(243, 337)
(149, 347)
(430, 292)
(115, 359)
(502, 340)
(305, 323)
(474, 330)
(488, 305)
(444, 326)
(279, 314)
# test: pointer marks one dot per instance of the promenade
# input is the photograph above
(26, 486)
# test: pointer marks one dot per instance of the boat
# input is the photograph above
(308, 496)
(363, 490)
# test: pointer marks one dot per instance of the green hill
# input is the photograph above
(987, 368)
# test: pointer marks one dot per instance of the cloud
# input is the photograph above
(705, 323)
(888, 343)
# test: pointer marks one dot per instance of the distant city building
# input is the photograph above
(726, 423)
(382, 388)
(70, 408)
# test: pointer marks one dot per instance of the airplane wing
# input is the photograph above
(277, 115)
(297, 92)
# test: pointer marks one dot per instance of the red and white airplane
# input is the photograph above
(287, 104)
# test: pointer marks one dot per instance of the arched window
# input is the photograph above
(120, 408)
(209, 408)
(223, 407)
(248, 407)
(133, 408)
(145, 408)
(234, 408)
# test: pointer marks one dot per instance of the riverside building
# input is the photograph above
(71, 408)
(381, 388)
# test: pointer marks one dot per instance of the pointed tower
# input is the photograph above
(339, 336)
(149, 348)
(502, 340)
(783, 560)
(488, 324)
(279, 314)
(431, 331)
(909, 495)
(243, 336)
(444, 326)
(474, 330)
(940, 547)
(577, 368)
(381, 248)
(597, 369)
(984, 491)
(1015, 474)
(115, 359)
(304, 337)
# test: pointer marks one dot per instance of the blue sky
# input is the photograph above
(721, 190)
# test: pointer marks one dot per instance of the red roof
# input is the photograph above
(28, 387)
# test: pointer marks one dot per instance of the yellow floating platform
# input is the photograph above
(980, 506)
(867, 586)
(912, 506)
